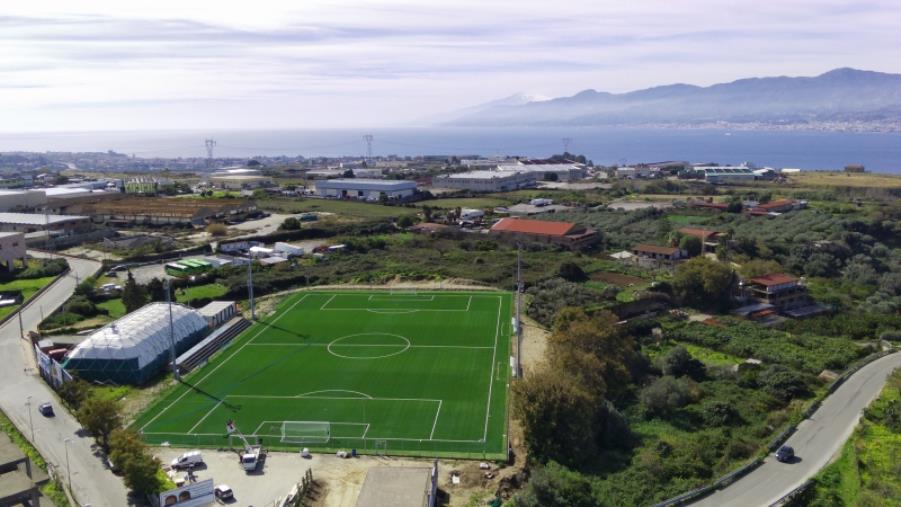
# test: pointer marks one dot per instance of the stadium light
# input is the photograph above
(171, 332)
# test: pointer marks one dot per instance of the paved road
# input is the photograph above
(817, 440)
(92, 483)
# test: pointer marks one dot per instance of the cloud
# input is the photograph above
(391, 61)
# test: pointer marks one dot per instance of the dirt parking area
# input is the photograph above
(338, 480)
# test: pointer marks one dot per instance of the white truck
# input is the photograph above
(252, 455)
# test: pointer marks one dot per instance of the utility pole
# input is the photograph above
(518, 309)
(68, 468)
(209, 144)
(21, 327)
(253, 313)
(368, 139)
(171, 332)
(30, 421)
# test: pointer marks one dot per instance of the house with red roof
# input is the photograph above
(566, 234)
(778, 289)
(709, 239)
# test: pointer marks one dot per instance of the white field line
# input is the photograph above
(372, 345)
(400, 297)
(204, 417)
(468, 303)
(432, 434)
(307, 397)
(497, 330)
(392, 439)
(327, 302)
(391, 310)
(365, 431)
(227, 359)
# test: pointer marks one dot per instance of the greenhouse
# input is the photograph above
(134, 348)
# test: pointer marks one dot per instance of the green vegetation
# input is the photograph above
(206, 291)
(466, 202)
(52, 490)
(28, 286)
(417, 371)
(868, 472)
(113, 307)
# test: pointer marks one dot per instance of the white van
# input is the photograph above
(189, 459)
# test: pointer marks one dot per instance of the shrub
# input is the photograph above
(217, 229)
(678, 362)
(783, 383)
(666, 394)
(43, 267)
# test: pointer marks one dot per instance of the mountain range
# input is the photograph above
(839, 97)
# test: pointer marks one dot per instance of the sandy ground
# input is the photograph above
(534, 343)
(263, 226)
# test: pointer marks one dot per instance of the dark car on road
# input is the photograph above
(785, 454)
(46, 409)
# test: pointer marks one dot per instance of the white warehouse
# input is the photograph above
(366, 189)
(487, 181)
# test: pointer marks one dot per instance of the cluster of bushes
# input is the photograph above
(551, 295)
(102, 417)
(806, 352)
(37, 268)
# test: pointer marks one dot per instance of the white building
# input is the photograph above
(487, 181)
(726, 174)
(554, 172)
(12, 248)
(366, 189)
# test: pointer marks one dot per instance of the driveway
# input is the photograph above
(92, 483)
(816, 442)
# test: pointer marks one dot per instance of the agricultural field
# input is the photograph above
(354, 209)
(382, 372)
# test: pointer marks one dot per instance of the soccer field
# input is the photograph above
(422, 373)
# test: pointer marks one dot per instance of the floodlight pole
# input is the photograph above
(30, 421)
(253, 313)
(171, 332)
(519, 287)
(21, 327)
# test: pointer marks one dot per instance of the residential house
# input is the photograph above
(565, 234)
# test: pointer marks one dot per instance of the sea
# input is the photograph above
(809, 150)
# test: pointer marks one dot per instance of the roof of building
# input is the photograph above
(535, 167)
(395, 487)
(8, 234)
(365, 184)
(773, 279)
(37, 218)
(697, 232)
(214, 307)
(540, 227)
(778, 203)
(482, 175)
(655, 249)
(142, 334)
(9, 451)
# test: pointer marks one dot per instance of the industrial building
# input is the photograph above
(34, 222)
(366, 189)
(545, 171)
(487, 181)
(164, 211)
(726, 174)
(565, 234)
(12, 248)
(136, 347)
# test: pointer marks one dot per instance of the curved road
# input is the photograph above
(816, 441)
(92, 483)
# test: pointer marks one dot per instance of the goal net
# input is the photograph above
(402, 292)
(306, 432)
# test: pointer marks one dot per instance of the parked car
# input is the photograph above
(187, 460)
(46, 410)
(223, 492)
(785, 454)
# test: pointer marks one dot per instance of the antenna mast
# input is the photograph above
(368, 139)
(209, 144)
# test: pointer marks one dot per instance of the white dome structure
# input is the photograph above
(133, 349)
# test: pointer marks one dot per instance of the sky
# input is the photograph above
(100, 65)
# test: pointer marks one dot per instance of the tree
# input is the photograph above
(348, 173)
(554, 486)
(405, 221)
(570, 271)
(86, 288)
(217, 229)
(290, 224)
(139, 467)
(427, 213)
(703, 283)
(667, 394)
(74, 392)
(783, 383)
(557, 415)
(691, 244)
(156, 289)
(758, 267)
(133, 296)
(678, 362)
(100, 416)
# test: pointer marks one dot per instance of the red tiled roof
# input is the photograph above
(778, 203)
(524, 226)
(698, 233)
(773, 279)
(655, 249)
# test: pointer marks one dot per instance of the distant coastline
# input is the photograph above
(790, 148)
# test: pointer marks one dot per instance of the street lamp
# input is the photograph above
(68, 469)
(30, 421)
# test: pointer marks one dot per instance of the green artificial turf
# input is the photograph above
(400, 373)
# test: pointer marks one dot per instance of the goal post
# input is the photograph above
(306, 432)
(402, 292)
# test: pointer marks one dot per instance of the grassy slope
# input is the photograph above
(209, 290)
(291, 358)
(868, 471)
(27, 286)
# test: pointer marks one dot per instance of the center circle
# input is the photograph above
(368, 346)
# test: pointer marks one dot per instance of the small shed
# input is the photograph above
(217, 313)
